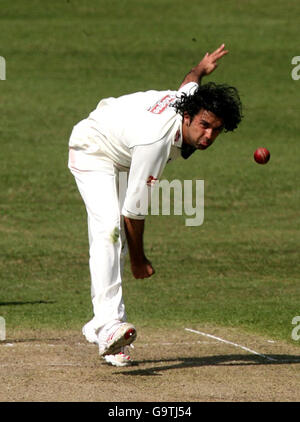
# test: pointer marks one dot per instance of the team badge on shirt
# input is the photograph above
(162, 104)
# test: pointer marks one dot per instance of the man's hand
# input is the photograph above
(210, 60)
(206, 66)
(143, 269)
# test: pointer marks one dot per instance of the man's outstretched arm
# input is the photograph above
(206, 66)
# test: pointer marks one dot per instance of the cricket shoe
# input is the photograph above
(90, 333)
(120, 335)
(119, 359)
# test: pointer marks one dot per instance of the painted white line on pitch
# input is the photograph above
(182, 343)
(231, 343)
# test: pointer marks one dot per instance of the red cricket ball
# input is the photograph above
(262, 155)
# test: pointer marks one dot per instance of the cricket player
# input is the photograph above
(137, 135)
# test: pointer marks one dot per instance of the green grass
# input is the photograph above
(241, 267)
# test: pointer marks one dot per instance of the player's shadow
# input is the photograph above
(30, 302)
(217, 360)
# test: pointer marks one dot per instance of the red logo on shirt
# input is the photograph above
(162, 104)
(151, 180)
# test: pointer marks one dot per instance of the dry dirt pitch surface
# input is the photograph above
(178, 366)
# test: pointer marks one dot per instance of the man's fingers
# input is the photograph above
(218, 55)
(222, 46)
(209, 61)
(219, 52)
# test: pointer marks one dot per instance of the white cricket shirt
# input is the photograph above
(139, 132)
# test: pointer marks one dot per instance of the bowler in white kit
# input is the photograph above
(138, 134)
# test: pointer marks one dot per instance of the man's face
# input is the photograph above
(201, 131)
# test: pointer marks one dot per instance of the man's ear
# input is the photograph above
(186, 118)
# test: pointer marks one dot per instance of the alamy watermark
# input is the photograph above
(296, 331)
(2, 329)
(296, 70)
(154, 198)
(2, 68)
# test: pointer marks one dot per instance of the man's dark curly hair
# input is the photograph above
(221, 99)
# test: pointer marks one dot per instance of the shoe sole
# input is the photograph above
(124, 336)
(110, 359)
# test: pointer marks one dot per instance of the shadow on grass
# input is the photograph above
(32, 302)
(218, 360)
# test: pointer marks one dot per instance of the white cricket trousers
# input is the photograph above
(107, 239)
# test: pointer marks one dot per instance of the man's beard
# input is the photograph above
(187, 150)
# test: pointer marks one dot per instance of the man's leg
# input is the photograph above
(99, 192)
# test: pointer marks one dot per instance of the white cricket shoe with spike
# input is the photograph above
(119, 359)
(120, 335)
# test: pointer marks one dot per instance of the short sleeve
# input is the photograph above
(188, 88)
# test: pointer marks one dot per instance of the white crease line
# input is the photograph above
(230, 342)
(185, 343)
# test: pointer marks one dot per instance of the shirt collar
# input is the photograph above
(177, 139)
(186, 150)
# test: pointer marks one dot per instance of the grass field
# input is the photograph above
(241, 267)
